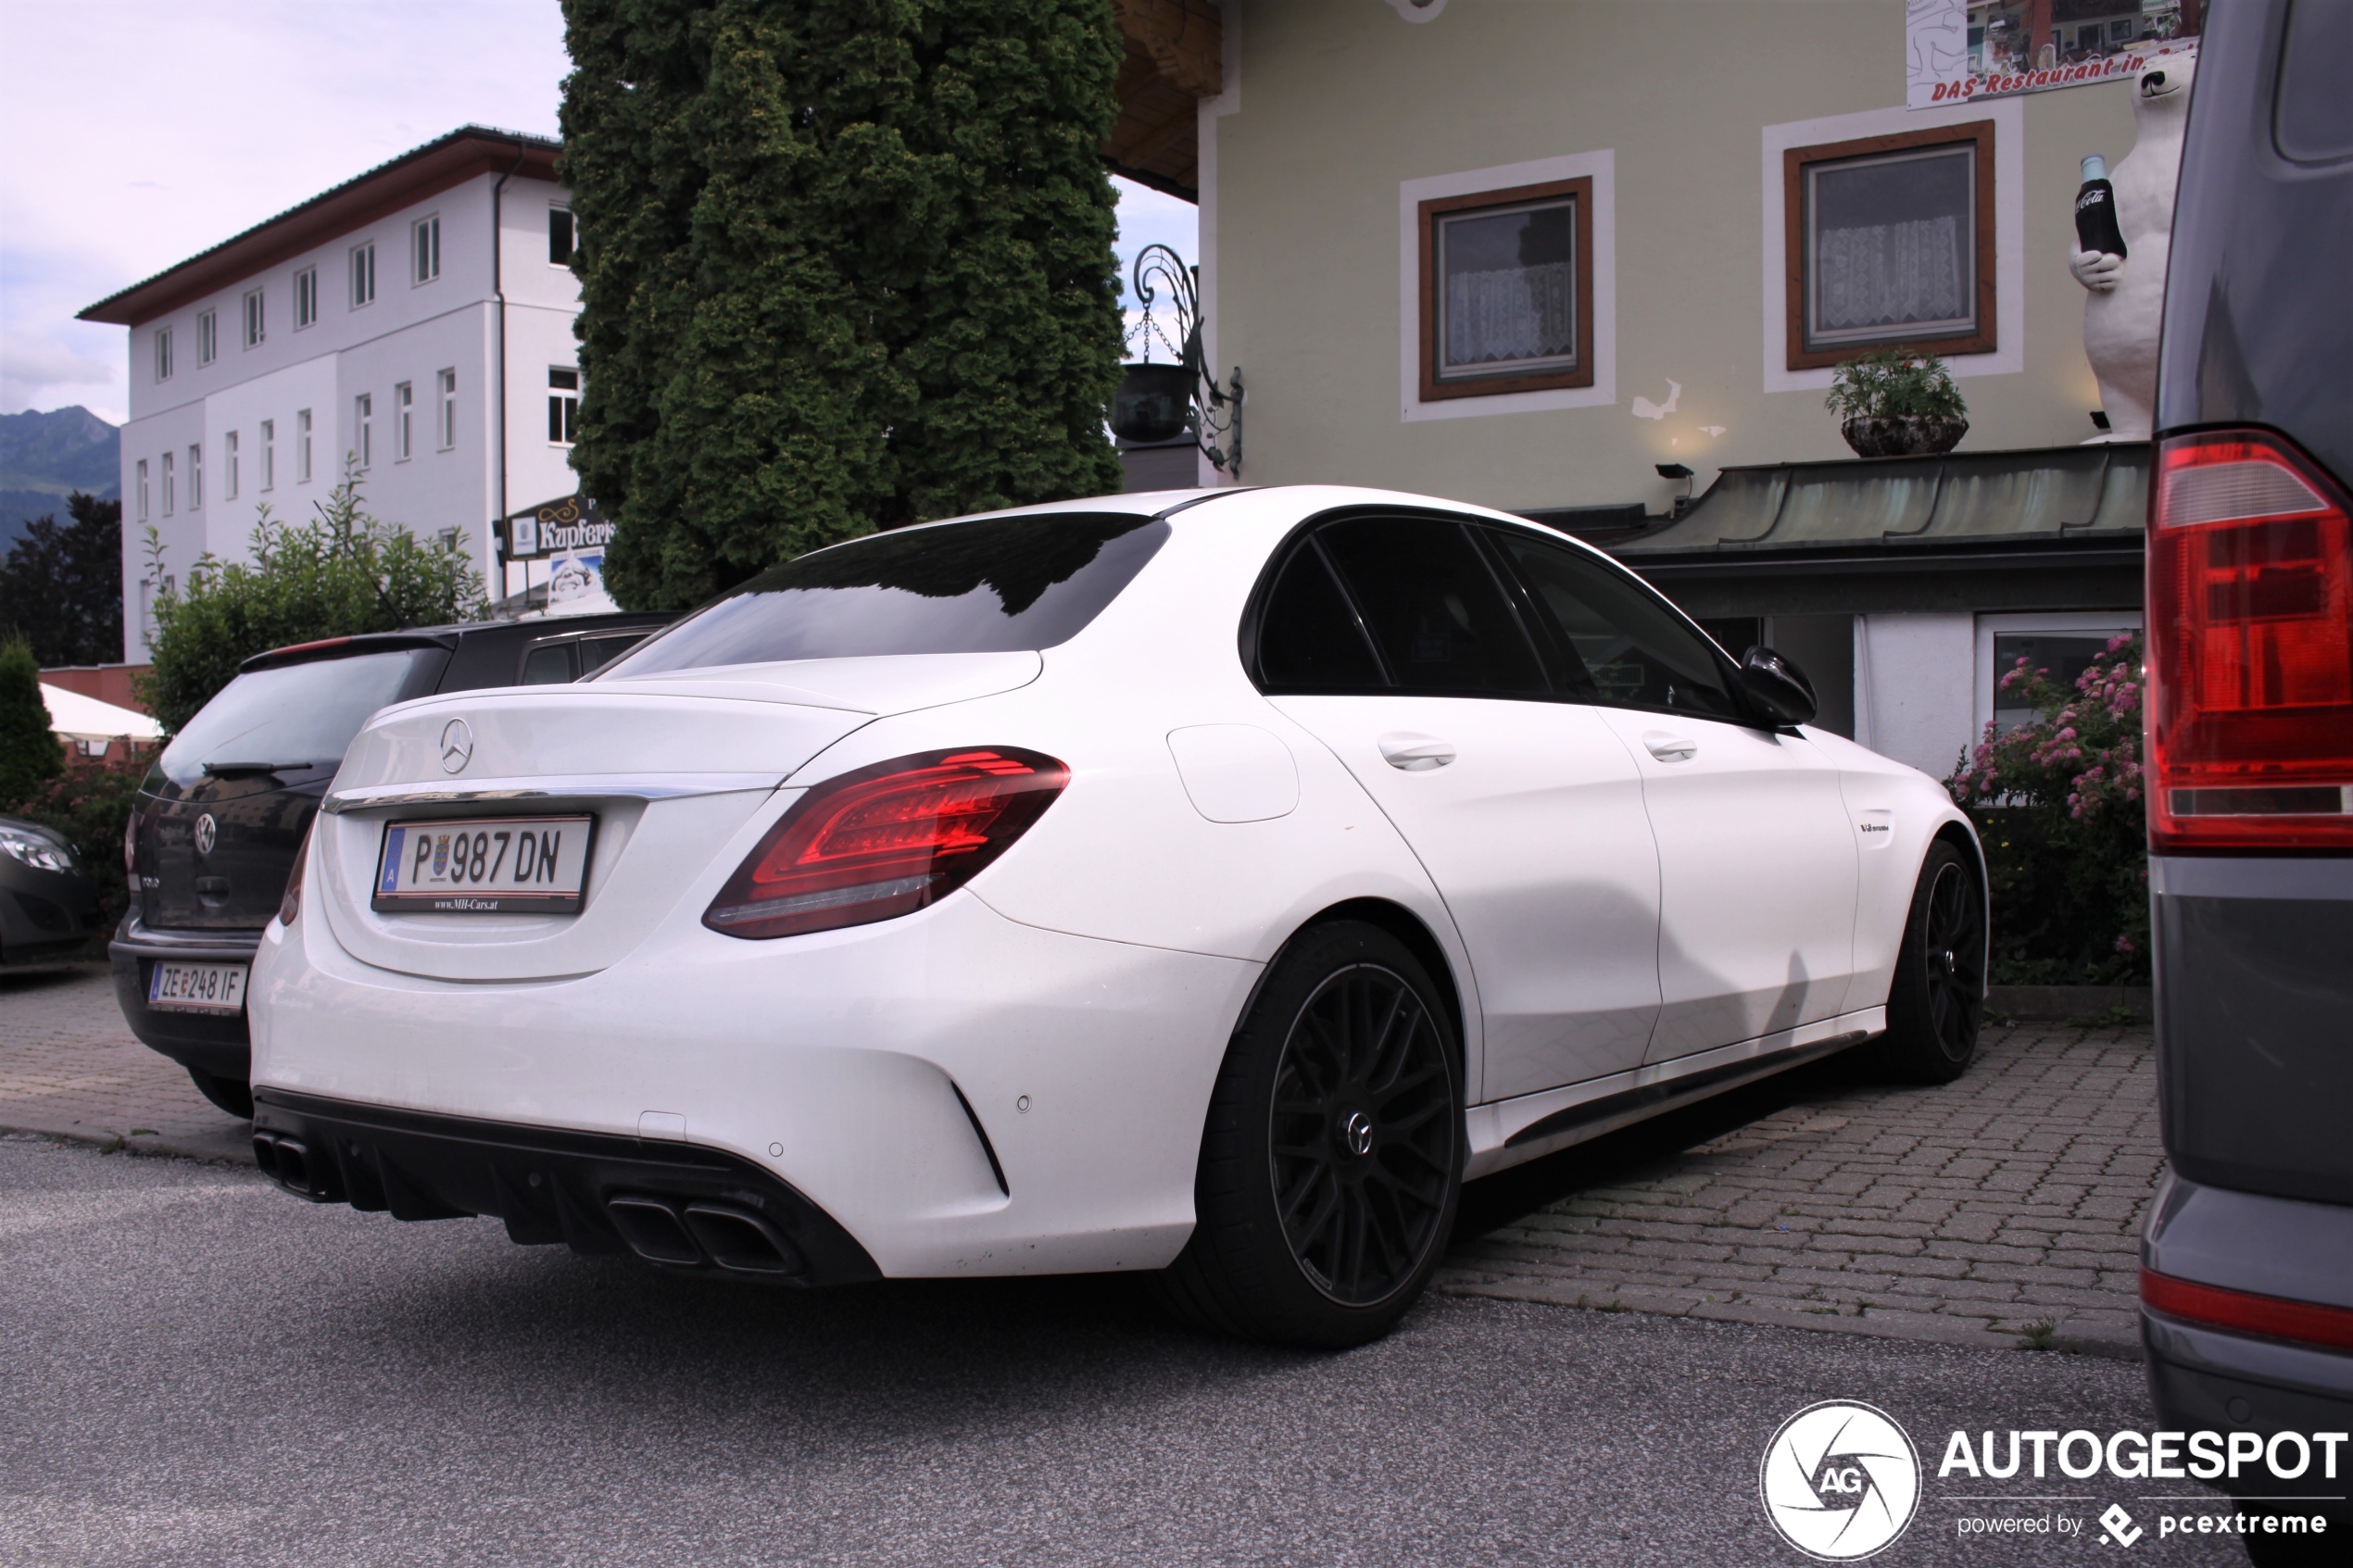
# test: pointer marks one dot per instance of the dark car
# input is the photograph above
(217, 824)
(50, 907)
(2246, 1288)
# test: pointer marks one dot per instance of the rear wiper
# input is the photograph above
(222, 770)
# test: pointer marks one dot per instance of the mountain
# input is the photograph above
(44, 457)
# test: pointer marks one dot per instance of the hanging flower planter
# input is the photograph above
(1151, 403)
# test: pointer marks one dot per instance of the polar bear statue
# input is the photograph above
(2127, 299)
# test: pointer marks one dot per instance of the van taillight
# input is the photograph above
(290, 902)
(2250, 614)
(885, 841)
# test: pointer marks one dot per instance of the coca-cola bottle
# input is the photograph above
(2096, 226)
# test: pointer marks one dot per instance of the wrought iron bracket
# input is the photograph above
(1215, 415)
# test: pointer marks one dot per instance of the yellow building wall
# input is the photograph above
(1339, 101)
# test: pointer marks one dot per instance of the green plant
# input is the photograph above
(844, 265)
(62, 587)
(341, 574)
(2037, 1335)
(2058, 804)
(29, 753)
(1892, 383)
(90, 804)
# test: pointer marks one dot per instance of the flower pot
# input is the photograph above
(1150, 403)
(1904, 435)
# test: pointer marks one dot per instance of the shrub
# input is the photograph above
(1892, 383)
(2058, 802)
(340, 574)
(29, 754)
(91, 806)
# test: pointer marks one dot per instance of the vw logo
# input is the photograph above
(207, 833)
(456, 746)
(1840, 1480)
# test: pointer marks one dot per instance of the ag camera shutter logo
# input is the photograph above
(1840, 1481)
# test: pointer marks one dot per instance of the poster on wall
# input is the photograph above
(1958, 50)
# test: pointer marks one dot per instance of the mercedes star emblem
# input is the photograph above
(207, 831)
(456, 746)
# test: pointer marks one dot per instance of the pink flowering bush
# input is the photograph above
(2058, 803)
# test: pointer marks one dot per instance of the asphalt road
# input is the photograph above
(197, 1369)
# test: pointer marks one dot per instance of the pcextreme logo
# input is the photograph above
(1840, 1480)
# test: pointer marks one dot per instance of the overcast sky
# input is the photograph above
(134, 133)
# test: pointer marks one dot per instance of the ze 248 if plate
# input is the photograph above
(484, 865)
(198, 987)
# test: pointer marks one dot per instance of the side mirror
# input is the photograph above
(1777, 686)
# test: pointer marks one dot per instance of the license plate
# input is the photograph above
(484, 865)
(198, 987)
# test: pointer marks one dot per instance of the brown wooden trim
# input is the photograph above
(407, 181)
(1580, 374)
(1794, 162)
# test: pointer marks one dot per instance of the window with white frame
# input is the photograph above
(1891, 243)
(302, 445)
(163, 354)
(363, 422)
(306, 292)
(143, 490)
(425, 247)
(268, 454)
(168, 496)
(563, 236)
(564, 403)
(195, 477)
(254, 325)
(229, 464)
(363, 274)
(404, 415)
(447, 425)
(207, 338)
(2060, 644)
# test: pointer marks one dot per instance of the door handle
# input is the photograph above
(1669, 748)
(1415, 754)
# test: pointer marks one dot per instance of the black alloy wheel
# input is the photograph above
(1332, 1159)
(1936, 1004)
(1361, 1135)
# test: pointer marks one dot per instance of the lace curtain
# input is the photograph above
(1888, 274)
(1511, 313)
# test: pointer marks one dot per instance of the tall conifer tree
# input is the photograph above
(845, 263)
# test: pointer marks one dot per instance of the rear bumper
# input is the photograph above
(220, 1047)
(690, 1210)
(961, 1094)
(2209, 1379)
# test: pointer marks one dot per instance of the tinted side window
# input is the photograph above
(597, 652)
(549, 665)
(1308, 638)
(1636, 652)
(1434, 608)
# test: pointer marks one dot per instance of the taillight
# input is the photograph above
(2274, 1317)
(131, 849)
(2250, 613)
(290, 902)
(885, 841)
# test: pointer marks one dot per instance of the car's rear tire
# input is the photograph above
(1331, 1161)
(231, 1095)
(1937, 1002)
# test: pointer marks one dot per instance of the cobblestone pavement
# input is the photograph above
(68, 1064)
(2004, 1208)
(2001, 1210)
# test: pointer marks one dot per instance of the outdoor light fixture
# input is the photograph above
(1159, 403)
(1677, 471)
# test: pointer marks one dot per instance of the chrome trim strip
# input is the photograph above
(580, 786)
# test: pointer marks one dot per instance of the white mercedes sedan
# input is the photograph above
(1207, 883)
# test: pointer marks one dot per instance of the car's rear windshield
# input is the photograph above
(291, 717)
(993, 585)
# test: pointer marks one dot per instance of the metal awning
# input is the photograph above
(2041, 528)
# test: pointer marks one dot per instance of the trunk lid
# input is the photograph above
(671, 768)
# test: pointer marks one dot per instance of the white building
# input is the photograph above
(416, 319)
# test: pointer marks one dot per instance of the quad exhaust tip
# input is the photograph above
(691, 1233)
(287, 1161)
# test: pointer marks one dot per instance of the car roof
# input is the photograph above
(450, 636)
